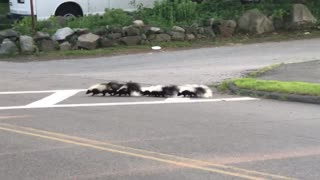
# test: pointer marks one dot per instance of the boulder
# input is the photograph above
(227, 28)
(8, 47)
(114, 36)
(47, 45)
(65, 46)
(302, 17)
(138, 23)
(27, 44)
(131, 40)
(80, 31)
(208, 32)
(106, 42)
(177, 36)
(190, 37)
(41, 35)
(253, 21)
(10, 34)
(160, 37)
(178, 29)
(62, 34)
(88, 41)
(130, 31)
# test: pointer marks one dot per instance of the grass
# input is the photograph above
(301, 88)
(260, 72)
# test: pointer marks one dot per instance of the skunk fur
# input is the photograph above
(104, 88)
(130, 89)
(201, 91)
(134, 89)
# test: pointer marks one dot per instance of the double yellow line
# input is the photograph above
(149, 155)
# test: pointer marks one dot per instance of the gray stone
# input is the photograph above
(302, 17)
(138, 23)
(41, 35)
(102, 31)
(178, 29)
(9, 33)
(177, 36)
(208, 32)
(114, 36)
(253, 21)
(227, 28)
(130, 31)
(65, 46)
(105, 42)
(27, 44)
(80, 31)
(131, 40)
(190, 37)
(8, 47)
(114, 29)
(88, 41)
(62, 34)
(47, 45)
(155, 30)
(160, 37)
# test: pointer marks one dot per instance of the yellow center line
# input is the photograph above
(202, 163)
(132, 154)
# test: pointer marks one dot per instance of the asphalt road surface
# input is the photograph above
(49, 129)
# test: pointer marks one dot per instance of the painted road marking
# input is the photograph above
(13, 117)
(183, 100)
(37, 92)
(54, 98)
(169, 159)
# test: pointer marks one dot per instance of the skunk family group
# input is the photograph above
(135, 89)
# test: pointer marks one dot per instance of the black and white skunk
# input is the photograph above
(190, 90)
(104, 88)
(130, 89)
(160, 91)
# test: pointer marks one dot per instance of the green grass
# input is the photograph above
(301, 88)
(262, 71)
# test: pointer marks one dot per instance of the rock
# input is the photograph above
(105, 42)
(138, 23)
(88, 41)
(130, 31)
(131, 40)
(178, 29)
(102, 31)
(62, 34)
(27, 44)
(114, 36)
(208, 32)
(65, 46)
(8, 47)
(159, 37)
(114, 29)
(10, 34)
(80, 31)
(41, 35)
(190, 37)
(302, 18)
(177, 36)
(154, 30)
(227, 28)
(47, 45)
(253, 21)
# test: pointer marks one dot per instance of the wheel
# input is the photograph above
(69, 10)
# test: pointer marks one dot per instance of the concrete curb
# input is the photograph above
(274, 95)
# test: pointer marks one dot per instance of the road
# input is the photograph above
(49, 129)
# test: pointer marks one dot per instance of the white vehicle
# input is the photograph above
(43, 9)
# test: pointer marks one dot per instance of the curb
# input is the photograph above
(274, 95)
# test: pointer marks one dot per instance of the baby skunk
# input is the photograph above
(201, 91)
(104, 88)
(160, 91)
(97, 89)
(130, 89)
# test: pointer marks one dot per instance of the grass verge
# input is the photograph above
(300, 88)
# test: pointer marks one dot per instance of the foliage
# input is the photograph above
(169, 12)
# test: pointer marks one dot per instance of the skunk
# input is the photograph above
(130, 89)
(160, 91)
(201, 91)
(97, 89)
(104, 88)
